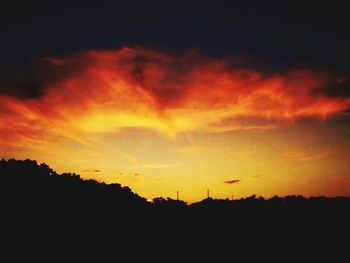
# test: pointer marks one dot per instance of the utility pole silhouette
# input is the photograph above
(177, 195)
(208, 193)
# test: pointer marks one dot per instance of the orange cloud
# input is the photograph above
(304, 156)
(104, 91)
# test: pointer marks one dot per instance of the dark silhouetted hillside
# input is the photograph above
(27, 182)
(40, 208)
(30, 184)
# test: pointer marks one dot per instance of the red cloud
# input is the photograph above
(103, 91)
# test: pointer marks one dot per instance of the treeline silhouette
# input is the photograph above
(26, 181)
(38, 203)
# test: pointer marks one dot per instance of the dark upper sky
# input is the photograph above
(271, 35)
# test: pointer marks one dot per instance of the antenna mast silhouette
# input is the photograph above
(208, 193)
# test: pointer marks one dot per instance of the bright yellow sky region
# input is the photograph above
(288, 160)
(189, 128)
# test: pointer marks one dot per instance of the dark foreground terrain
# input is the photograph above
(61, 212)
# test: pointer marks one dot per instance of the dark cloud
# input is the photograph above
(232, 181)
(34, 77)
(92, 170)
(338, 87)
(20, 86)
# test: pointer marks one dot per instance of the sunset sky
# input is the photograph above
(244, 114)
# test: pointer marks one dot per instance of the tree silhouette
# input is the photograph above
(27, 184)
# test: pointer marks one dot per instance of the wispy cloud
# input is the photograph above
(149, 166)
(92, 170)
(342, 180)
(232, 181)
(304, 156)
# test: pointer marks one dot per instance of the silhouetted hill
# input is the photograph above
(26, 182)
(40, 208)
